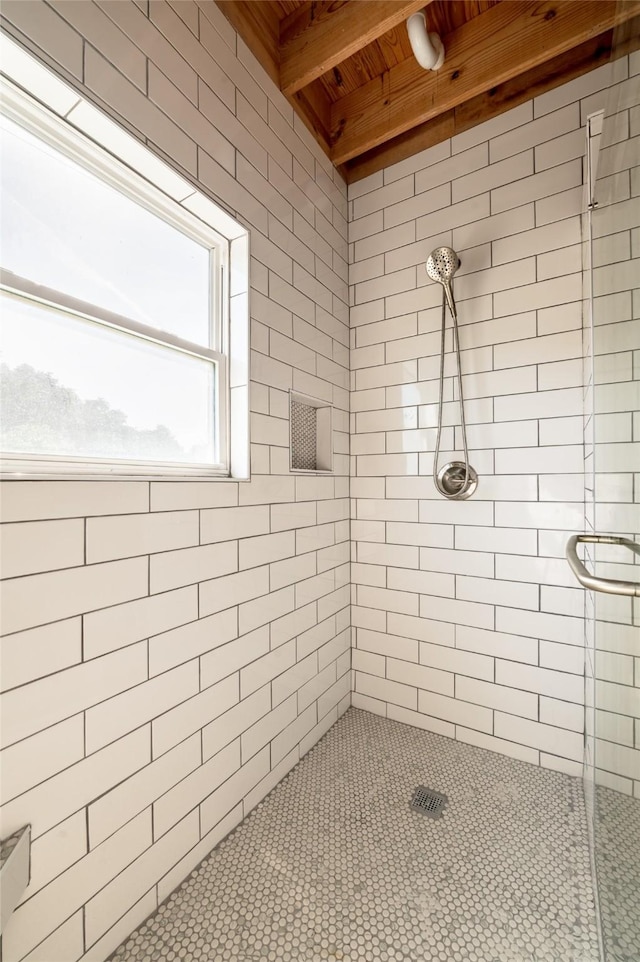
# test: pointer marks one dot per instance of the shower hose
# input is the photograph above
(456, 343)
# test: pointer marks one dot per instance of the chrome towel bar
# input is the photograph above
(609, 585)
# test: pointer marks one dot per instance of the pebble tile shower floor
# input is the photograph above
(334, 865)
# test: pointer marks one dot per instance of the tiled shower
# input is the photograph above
(172, 649)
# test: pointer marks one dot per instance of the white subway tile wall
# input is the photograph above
(466, 618)
(171, 649)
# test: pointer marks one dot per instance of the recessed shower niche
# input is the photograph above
(310, 434)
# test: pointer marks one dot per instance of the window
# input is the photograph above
(116, 311)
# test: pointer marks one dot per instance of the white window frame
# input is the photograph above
(59, 133)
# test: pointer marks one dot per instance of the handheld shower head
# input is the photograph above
(442, 263)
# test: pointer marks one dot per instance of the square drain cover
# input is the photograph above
(428, 802)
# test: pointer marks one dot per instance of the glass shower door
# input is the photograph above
(613, 510)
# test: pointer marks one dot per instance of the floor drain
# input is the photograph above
(428, 802)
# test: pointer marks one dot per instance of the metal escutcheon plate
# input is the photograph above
(451, 480)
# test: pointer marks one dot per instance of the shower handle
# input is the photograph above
(609, 585)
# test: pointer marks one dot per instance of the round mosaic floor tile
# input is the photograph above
(618, 866)
(334, 865)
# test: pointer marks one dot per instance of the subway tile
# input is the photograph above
(421, 629)
(554, 740)
(182, 721)
(115, 90)
(264, 669)
(188, 793)
(109, 812)
(543, 460)
(284, 746)
(121, 625)
(368, 662)
(451, 660)
(564, 147)
(560, 628)
(546, 128)
(619, 759)
(65, 793)
(434, 535)
(541, 404)
(42, 703)
(517, 220)
(623, 699)
(31, 547)
(171, 648)
(541, 185)
(115, 898)
(496, 174)
(422, 582)
(225, 592)
(511, 594)
(173, 569)
(37, 758)
(509, 541)
(497, 383)
(253, 614)
(500, 745)
(386, 690)
(115, 717)
(459, 513)
(497, 644)
(53, 852)
(509, 120)
(562, 517)
(568, 203)
(316, 687)
(452, 168)
(543, 681)
(546, 293)
(456, 215)
(226, 659)
(314, 638)
(38, 599)
(457, 611)
(403, 602)
(456, 711)
(398, 556)
(559, 657)
(515, 701)
(375, 465)
(562, 714)
(424, 677)
(222, 524)
(382, 197)
(126, 924)
(230, 726)
(539, 350)
(29, 655)
(544, 571)
(220, 802)
(50, 33)
(262, 732)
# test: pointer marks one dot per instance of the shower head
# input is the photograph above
(442, 263)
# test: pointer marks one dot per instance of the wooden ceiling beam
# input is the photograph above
(493, 48)
(574, 63)
(323, 33)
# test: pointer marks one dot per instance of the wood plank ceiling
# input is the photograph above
(347, 67)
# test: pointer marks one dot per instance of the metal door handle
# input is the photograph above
(609, 585)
